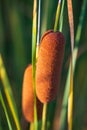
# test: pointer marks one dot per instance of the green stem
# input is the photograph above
(44, 117)
(57, 16)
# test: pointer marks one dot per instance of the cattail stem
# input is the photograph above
(57, 16)
(44, 116)
(31, 126)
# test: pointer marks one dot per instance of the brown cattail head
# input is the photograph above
(49, 65)
(28, 97)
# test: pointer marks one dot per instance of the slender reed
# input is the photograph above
(38, 28)
(70, 99)
(34, 27)
(57, 15)
(39, 18)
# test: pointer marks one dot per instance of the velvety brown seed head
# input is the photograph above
(28, 97)
(49, 65)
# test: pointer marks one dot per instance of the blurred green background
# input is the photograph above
(16, 45)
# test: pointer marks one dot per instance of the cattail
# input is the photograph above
(28, 97)
(49, 65)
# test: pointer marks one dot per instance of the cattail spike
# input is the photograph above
(49, 65)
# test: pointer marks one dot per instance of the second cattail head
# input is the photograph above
(49, 65)
(28, 97)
